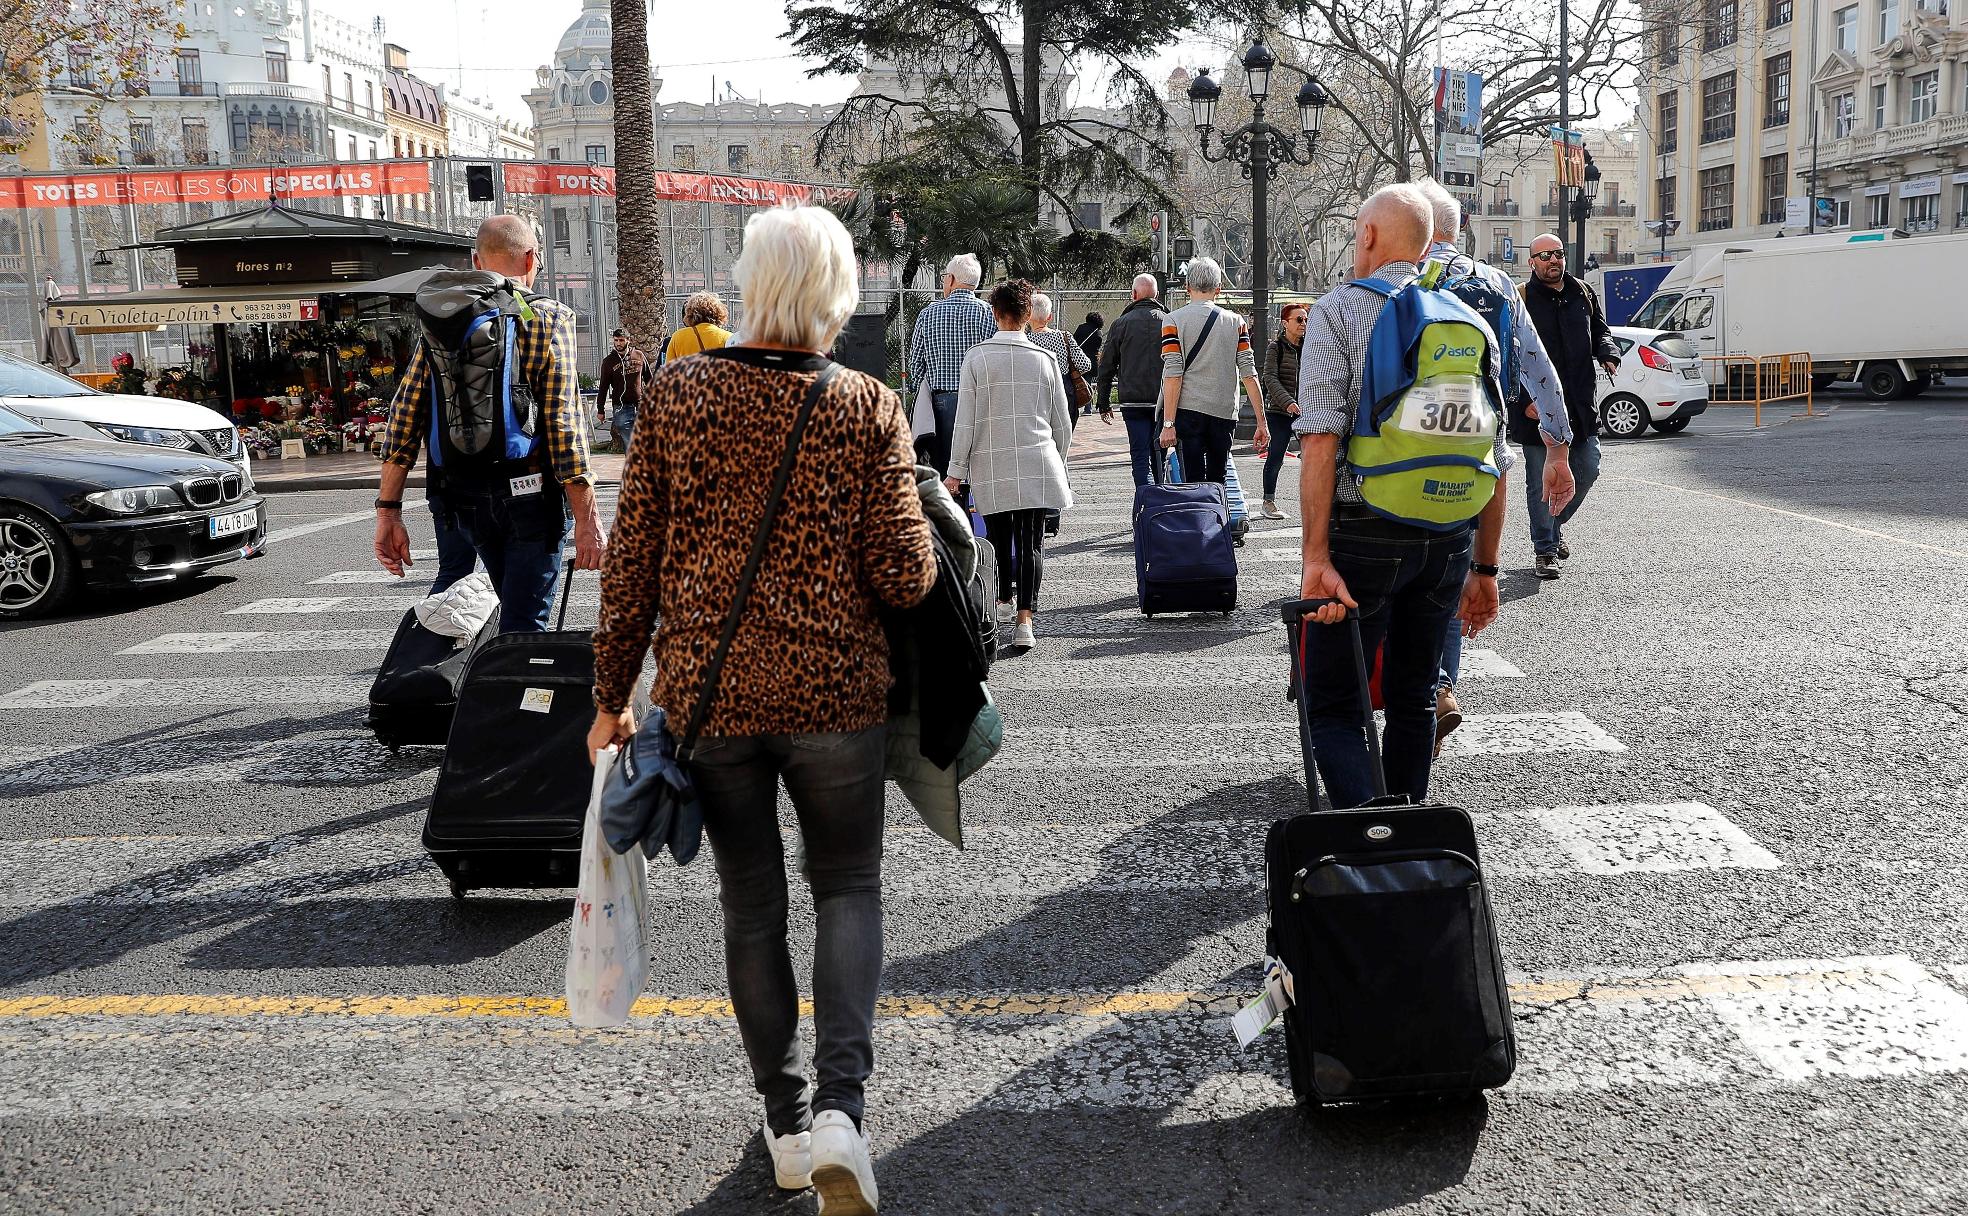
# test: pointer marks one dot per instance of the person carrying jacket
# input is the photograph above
(1132, 354)
(1573, 328)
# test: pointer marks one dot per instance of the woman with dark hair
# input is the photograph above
(1013, 428)
(1279, 380)
(1088, 335)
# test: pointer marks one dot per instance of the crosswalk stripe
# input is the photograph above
(303, 762)
(152, 693)
(339, 604)
(1201, 745)
(1036, 673)
(1021, 863)
(265, 642)
(1763, 1025)
(413, 576)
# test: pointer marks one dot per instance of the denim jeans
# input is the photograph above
(1143, 429)
(1205, 441)
(624, 424)
(835, 782)
(1546, 532)
(935, 450)
(1408, 583)
(520, 541)
(1451, 654)
(456, 558)
(1280, 426)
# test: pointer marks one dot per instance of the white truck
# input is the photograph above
(1886, 313)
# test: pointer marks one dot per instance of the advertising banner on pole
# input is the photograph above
(599, 180)
(259, 184)
(1568, 157)
(1459, 133)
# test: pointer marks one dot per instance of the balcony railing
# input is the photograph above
(1930, 224)
(302, 93)
(13, 263)
(1625, 211)
(141, 156)
(1718, 128)
(1773, 214)
(169, 88)
(1500, 206)
(1547, 210)
(1961, 219)
(1716, 223)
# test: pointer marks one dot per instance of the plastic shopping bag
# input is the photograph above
(608, 939)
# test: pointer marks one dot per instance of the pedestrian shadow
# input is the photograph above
(1518, 584)
(362, 934)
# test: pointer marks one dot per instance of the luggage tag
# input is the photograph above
(530, 484)
(537, 700)
(1263, 1013)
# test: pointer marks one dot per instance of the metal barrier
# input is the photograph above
(1756, 380)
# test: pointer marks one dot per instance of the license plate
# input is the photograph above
(235, 522)
(1692, 373)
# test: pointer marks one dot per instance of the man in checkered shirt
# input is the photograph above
(518, 525)
(945, 331)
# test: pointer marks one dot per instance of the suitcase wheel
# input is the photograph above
(457, 890)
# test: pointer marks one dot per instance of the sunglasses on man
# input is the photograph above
(1548, 255)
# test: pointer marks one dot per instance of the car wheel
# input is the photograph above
(1623, 415)
(1883, 382)
(37, 569)
(1673, 426)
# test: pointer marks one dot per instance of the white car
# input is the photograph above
(56, 403)
(1660, 383)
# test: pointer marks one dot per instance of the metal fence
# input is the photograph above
(1758, 380)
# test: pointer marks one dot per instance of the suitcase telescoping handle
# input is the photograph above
(1296, 613)
(566, 594)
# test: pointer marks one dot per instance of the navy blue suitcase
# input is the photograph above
(1185, 557)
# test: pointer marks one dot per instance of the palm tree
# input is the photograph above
(638, 215)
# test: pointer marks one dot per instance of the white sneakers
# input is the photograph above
(1022, 637)
(1005, 612)
(792, 1159)
(842, 1173)
(1270, 511)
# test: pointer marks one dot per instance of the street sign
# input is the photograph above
(1459, 133)
(1509, 250)
(1797, 212)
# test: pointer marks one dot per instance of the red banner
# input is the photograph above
(258, 184)
(599, 180)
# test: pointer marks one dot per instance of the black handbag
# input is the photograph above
(649, 797)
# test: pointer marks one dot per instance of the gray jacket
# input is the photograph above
(1013, 427)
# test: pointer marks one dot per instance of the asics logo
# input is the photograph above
(1456, 352)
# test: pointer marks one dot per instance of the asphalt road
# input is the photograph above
(1732, 897)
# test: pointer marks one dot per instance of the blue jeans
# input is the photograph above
(1274, 456)
(936, 449)
(1143, 428)
(624, 423)
(520, 541)
(1205, 440)
(456, 558)
(1408, 583)
(1451, 654)
(835, 782)
(1547, 532)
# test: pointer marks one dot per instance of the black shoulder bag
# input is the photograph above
(650, 798)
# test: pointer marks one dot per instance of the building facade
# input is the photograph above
(1744, 104)
(1519, 198)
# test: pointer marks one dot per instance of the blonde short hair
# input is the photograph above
(704, 308)
(796, 276)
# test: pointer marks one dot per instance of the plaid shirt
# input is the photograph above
(545, 347)
(945, 331)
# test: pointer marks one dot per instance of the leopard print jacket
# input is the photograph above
(810, 655)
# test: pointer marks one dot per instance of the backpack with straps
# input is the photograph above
(1425, 428)
(483, 416)
(1488, 301)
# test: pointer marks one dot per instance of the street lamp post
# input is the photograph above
(1663, 228)
(1258, 147)
(1582, 207)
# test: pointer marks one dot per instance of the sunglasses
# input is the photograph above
(1548, 255)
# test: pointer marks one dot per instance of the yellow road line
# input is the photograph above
(1124, 1004)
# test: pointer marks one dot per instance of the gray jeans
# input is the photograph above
(835, 781)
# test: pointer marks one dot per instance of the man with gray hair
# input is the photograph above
(944, 333)
(1206, 351)
(1132, 355)
(1403, 578)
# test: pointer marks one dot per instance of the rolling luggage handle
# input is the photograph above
(1294, 613)
(566, 594)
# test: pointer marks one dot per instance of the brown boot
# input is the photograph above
(1448, 715)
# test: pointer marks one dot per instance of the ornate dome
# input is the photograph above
(588, 38)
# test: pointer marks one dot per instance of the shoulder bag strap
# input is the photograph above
(1201, 338)
(687, 746)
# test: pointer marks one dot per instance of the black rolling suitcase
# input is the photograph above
(1381, 918)
(415, 691)
(512, 794)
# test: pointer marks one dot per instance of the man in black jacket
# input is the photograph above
(1133, 352)
(621, 386)
(1573, 328)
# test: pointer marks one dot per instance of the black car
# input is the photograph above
(79, 512)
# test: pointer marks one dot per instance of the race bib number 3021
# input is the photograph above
(1455, 409)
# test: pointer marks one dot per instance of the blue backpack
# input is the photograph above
(483, 416)
(1489, 302)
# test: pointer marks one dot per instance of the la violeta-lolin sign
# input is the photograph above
(214, 185)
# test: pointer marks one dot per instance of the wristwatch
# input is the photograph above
(1168, 426)
(389, 504)
(1480, 568)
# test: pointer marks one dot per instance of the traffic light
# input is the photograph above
(478, 184)
(1181, 276)
(1183, 247)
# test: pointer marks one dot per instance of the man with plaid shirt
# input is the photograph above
(518, 525)
(945, 331)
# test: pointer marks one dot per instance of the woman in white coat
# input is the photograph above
(1012, 431)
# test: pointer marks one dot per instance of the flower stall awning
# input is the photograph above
(239, 303)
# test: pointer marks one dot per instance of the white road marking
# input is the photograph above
(378, 575)
(309, 761)
(398, 604)
(1241, 745)
(1880, 1017)
(154, 694)
(1036, 673)
(1113, 555)
(322, 525)
(1653, 838)
(285, 640)
(1810, 519)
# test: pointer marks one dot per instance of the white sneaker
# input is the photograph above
(1006, 611)
(1270, 511)
(792, 1159)
(842, 1173)
(1023, 636)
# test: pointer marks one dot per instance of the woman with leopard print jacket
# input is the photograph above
(803, 696)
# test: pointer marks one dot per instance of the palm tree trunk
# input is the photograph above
(638, 214)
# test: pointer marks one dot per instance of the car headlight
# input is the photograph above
(155, 436)
(136, 500)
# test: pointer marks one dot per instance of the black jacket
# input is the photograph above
(1573, 329)
(1088, 335)
(619, 385)
(1133, 354)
